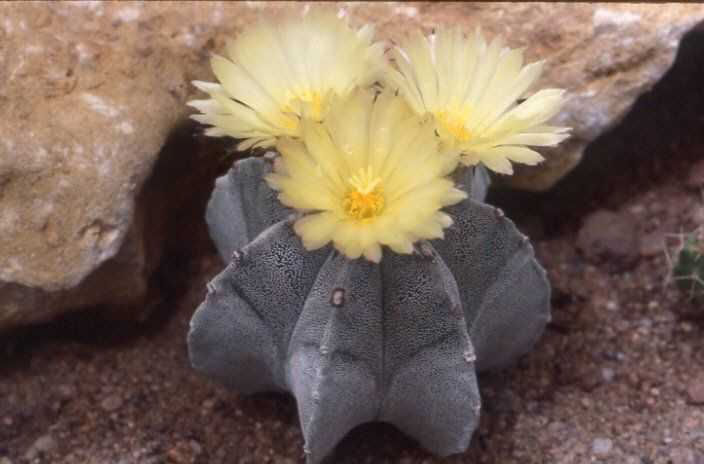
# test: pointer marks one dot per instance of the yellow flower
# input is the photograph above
(472, 90)
(277, 71)
(367, 176)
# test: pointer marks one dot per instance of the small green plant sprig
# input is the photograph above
(688, 264)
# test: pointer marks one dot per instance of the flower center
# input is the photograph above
(453, 121)
(315, 102)
(312, 99)
(365, 200)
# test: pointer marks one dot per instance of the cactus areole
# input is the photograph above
(354, 341)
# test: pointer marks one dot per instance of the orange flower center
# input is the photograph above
(366, 200)
(453, 121)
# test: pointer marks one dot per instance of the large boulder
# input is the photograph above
(85, 111)
(90, 91)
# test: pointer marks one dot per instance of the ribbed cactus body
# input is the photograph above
(353, 341)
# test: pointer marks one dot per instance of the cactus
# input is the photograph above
(688, 269)
(353, 341)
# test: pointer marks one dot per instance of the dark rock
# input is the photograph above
(610, 239)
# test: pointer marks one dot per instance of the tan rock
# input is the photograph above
(89, 92)
(82, 121)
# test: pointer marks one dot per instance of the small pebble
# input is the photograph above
(42, 445)
(637, 209)
(695, 391)
(608, 374)
(184, 452)
(698, 215)
(602, 446)
(176, 456)
(111, 403)
(65, 391)
(195, 447)
(687, 327)
(609, 238)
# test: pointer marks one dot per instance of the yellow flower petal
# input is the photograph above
(369, 175)
(373, 253)
(472, 90)
(498, 164)
(275, 73)
(241, 86)
(517, 154)
(316, 229)
(544, 139)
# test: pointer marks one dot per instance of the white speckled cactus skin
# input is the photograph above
(353, 341)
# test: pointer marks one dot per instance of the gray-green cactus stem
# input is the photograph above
(354, 342)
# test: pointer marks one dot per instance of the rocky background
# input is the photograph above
(103, 184)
